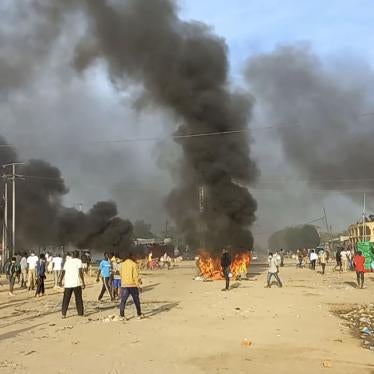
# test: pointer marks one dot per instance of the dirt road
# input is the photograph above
(191, 327)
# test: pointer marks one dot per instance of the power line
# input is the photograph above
(173, 137)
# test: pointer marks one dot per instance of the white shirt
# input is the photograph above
(57, 263)
(31, 261)
(343, 255)
(71, 267)
(273, 264)
(313, 256)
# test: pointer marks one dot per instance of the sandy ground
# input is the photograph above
(191, 327)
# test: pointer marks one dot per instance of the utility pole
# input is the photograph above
(5, 223)
(363, 220)
(13, 178)
(328, 228)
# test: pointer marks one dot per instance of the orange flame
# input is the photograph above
(210, 268)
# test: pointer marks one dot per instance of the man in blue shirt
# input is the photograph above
(105, 270)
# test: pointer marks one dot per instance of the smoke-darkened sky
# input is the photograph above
(52, 111)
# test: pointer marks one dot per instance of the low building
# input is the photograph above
(361, 232)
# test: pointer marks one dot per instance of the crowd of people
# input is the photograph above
(346, 260)
(120, 278)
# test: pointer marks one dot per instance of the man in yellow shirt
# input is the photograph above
(130, 285)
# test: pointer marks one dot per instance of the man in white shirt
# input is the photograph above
(344, 258)
(313, 259)
(74, 282)
(273, 270)
(56, 268)
(23, 264)
(31, 265)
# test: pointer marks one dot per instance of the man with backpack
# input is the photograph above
(13, 272)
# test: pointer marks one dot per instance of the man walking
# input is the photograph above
(74, 283)
(31, 269)
(105, 270)
(313, 259)
(281, 253)
(359, 261)
(323, 260)
(23, 264)
(41, 268)
(273, 270)
(131, 283)
(13, 271)
(226, 264)
(344, 259)
(56, 268)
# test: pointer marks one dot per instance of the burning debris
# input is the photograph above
(210, 267)
(361, 321)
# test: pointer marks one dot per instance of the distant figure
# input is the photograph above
(56, 268)
(116, 282)
(13, 271)
(23, 264)
(48, 261)
(105, 270)
(130, 285)
(273, 270)
(74, 282)
(41, 268)
(281, 253)
(323, 260)
(338, 259)
(313, 259)
(359, 261)
(344, 259)
(300, 259)
(165, 260)
(226, 264)
(31, 269)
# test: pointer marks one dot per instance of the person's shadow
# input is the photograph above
(352, 284)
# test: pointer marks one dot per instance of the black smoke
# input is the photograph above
(319, 110)
(42, 219)
(183, 67)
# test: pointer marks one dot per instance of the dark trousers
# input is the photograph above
(12, 280)
(360, 278)
(125, 293)
(78, 300)
(323, 268)
(276, 276)
(40, 286)
(226, 272)
(105, 288)
(313, 264)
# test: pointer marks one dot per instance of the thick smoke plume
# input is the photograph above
(42, 220)
(183, 67)
(319, 112)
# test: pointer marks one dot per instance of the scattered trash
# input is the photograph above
(327, 364)
(8, 364)
(361, 320)
(246, 343)
(111, 318)
(366, 331)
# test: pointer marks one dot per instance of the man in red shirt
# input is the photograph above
(359, 261)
